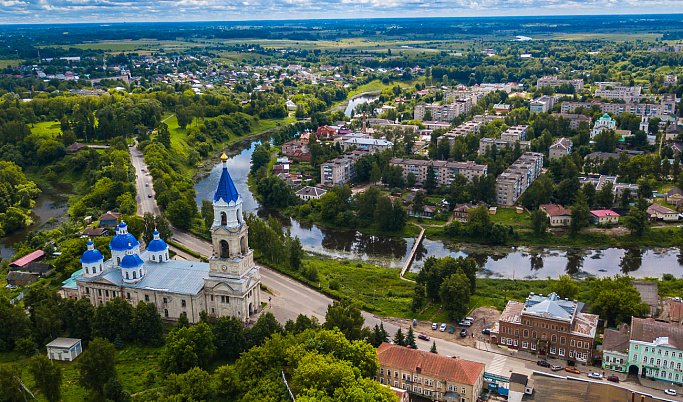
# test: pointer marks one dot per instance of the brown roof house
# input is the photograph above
(661, 213)
(674, 196)
(558, 215)
(17, 278)
(431, 376)
(615, 345)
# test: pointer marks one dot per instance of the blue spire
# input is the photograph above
(226, 188)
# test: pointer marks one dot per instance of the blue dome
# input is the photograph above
(157, 244)
(123, 242)
(226, 188)
(91, 255)
(131, 261)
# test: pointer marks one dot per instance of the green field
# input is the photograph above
(47, 128)
(138, 46)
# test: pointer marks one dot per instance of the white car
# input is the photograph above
(595, 375)
(465, 323)
(670, 391)
(442, 328)
(435, 325)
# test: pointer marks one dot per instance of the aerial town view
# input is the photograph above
(347, 201)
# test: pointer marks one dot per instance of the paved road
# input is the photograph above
(143, 184)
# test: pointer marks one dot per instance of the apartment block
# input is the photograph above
(543, 104)
(561, 147)
(340, 170)
(667, 106)
(514, 181)
(600, 181)
(553, 81)
(628, 94)
(445, 112)
(576, 119)
(473, 96)
(549, 326)
(429, 376)
(515, 133)
(444, 171)
(486, 143)
(463, 129)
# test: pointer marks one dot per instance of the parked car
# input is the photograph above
(486, 331)
(613, 378)
(451, 329)
(597, 376)
(556, 368)
(465, 323)
(423, 337)
(414, 322)
(435, 325)
(149, 195)
(670, 391)
(543, 363)
(463, 333)
(442, 327)
(572, 370)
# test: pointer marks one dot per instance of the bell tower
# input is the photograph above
(231, 254)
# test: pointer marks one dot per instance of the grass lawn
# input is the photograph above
(133, 364)
(47, 129)
(378, 85)
(509, 216)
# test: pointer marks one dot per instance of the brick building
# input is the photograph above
(549, 326)
(444, 171)
(428, 375)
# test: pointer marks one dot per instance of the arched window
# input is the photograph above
(243, 242)
(86, 270)
(118, 260)
(152, 257)
(224, 218)
(161, 257)
(127, 275)
(141, 273)
(225, 249)
(134, 275)
(239, 215)
(100, 267)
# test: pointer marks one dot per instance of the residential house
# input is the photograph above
(18, 278)
(66, 349)
(22, 263)
(543, 104)
(648, 294)
(576, 119)
(553, 81)
(94, 232)
(109, 219)
(428, 211)
(501, 108)
(659, 212)
(461, 212)
(325, 132)
(673, 196)
(41, 269)
(603, 216)
(557, 214)
(615, 346)
(670, 80)
(549, 326)
(673, 131)
(561, 147)
(429, 375)
(311, 193)
(74, 148)
(655, 350)
(341, 169)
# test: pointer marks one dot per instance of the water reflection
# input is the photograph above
(574, 262)
(536, 261)
(357, 101)
(632, 260)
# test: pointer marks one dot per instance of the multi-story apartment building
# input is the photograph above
(429, 375)
(514, 181)
(628, 94)
(515, 133)
(653, 349)
(444, 171)
(371, 144)
(576, 119)
(549, 326)
(553, 81)
(463, 129)
(340, 170)
(543, 104)
(445, 112)
(474, 96)
(666, 106)
(486, 143)
(670, 80)
(487, 118)
(600, 181)
(561, 147)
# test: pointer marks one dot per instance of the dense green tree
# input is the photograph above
(580, 214)
(637, 221)
(115, 392)
(13, 389)
(195, 385)
(455, 295)
(410, 338)
(566, 287)
(605, 196)
(399, 338)
(113, 319)
(433, 348)
(616, 300)
(207, 213)
(147, 325)
(187, 348)
(346, 316)
(78, 318)
(47, 376)
(15, 325)
(539, 222)
(430, 180)
(229, 337)
(419, 203)
(97, 364)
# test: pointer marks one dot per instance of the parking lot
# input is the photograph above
(561, 390)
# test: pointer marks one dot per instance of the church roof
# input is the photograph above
(131, 261)
(90, 256)
(123, 242)
(226, 188)
(156, 244)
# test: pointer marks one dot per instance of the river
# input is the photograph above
(357, 101)
(502, 262)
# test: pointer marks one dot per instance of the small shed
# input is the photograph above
(66, 349)
(17, 278)
(23, 262)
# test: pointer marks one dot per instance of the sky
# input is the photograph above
(75, 11)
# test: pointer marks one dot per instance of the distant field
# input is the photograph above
(13, 63)
(47, 128)
(139, 46)
(615, 37)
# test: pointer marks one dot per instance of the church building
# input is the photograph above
(229, 285)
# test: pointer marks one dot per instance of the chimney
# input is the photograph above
(364, 123)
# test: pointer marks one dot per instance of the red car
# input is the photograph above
(423, 337)
(613, 378)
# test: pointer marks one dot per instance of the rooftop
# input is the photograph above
(555, 210)
(603, 213)
(649, 330)
(429, 364)
(616, 340)
(63, 343)
(23, 261)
